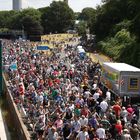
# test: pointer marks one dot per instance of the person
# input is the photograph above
(134, 120)
(113, 132)
(67, 130)
(96, 95)
(118, 127)
(105, 123)
(134, 132)
(126, 135)
(130, 112)
(101, 132)
(124, 114)
(83, 121)
(117, 109)
(112, 117)
(85, 111)
(108, 96)
(59, 123)
(76, 126)
(83, 135)
(21, 92)
(104, 107)
(68, 113)
(93, 122)
(52, 134)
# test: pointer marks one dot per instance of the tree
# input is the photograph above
(87, 14)
(31, 26)
(110, 13)
(5, 18)
(59, 17)
(81, 28)
(125, 24)
(44, 12)
(122, 47)
(30, 21)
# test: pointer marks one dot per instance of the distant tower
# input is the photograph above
(17, 4)
(66, 1)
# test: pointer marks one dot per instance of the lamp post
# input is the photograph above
(0, 67)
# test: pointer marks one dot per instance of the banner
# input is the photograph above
(42, 48)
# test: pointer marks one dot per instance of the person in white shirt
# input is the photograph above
(101, 132)
(83, 121)
(83, 135)
(40, 98)
(76, 125)
(108, 95)
(104, 107)
(124, 114)
(87, 94)
(125, 135)
(94, 86)
(96, 96)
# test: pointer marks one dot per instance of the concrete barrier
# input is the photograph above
(20, 128)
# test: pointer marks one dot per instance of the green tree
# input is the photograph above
(31, 26)
(30, 21)
(5, 18)
(81, 28)
(44, 12)
(122, 47)
(125, 24)
(59, 17)
(87, 14)
(107, 15)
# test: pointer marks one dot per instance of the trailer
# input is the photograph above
(122, 79)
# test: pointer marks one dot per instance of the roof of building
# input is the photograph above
(122, 67)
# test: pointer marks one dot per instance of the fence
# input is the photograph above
(20, 128)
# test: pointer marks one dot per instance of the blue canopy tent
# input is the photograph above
(82, 53)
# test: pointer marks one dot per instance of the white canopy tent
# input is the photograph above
(79, 47)
(81, 50)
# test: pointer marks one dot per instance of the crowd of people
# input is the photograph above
(60, 96)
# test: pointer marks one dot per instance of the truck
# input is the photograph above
(121, 78)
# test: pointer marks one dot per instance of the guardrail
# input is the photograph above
(20, 128)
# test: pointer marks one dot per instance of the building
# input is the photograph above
(17, 4)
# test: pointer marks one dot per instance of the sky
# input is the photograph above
(76, 5)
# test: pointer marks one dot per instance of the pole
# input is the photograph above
(0, 67)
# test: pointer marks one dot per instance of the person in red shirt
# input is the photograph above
(21, 92)
(130, 109)
(119, 127)
(117, 110)
(50, 82)
(130, 112)
(85, 111)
